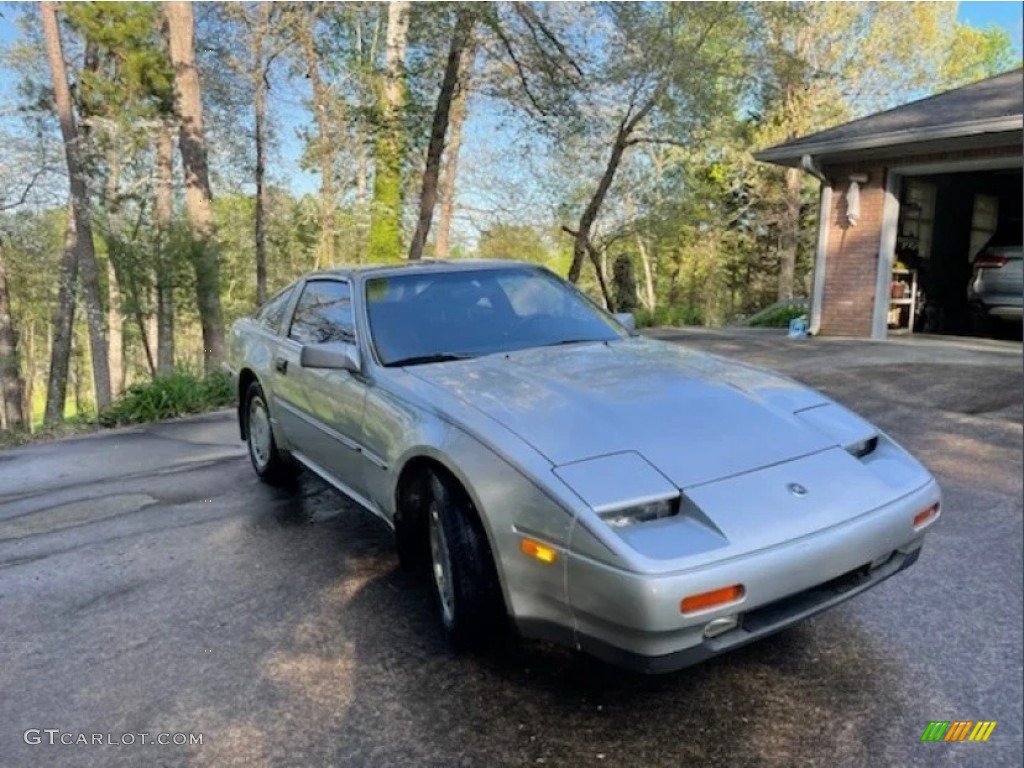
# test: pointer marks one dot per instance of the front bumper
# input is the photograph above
(755, 625)
(633, 620)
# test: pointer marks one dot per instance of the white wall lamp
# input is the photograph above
(853, 197)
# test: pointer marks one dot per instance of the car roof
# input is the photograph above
(425, 266)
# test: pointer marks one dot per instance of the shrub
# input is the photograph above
(166, 397)
(668, 316)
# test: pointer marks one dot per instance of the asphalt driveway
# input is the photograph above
(148, 584)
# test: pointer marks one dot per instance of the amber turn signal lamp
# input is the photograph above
(711, 599)
(542, 552)
(926, 515)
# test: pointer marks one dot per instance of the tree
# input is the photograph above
(163, 211)
(385, 216)
(460, 41)
(460, 105)
(672, 61)
(12, 389)
(975, 54)
(325, 148)
(198, 197)
(79, 242)
(266, 41)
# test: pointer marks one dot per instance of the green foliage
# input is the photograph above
(166, 397)
(133, 77)
(976, 54)
(385, 218)
(521, 242)
(778, 317)
(668, 316)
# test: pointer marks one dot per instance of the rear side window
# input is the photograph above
(271, 314)
(324, 313)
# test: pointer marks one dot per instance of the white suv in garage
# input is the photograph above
(996, 290)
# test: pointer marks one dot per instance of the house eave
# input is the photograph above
(1000, 130)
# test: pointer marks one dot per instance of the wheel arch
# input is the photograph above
(410, 510)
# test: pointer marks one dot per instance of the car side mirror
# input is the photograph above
(336, 355)
(626, 320)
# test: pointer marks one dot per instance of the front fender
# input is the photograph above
(511, 507)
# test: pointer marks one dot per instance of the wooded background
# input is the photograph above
(141, 210)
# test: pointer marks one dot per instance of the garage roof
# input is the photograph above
(985, 113)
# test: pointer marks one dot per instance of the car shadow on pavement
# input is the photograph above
(361, 676)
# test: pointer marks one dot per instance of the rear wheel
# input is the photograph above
(464, 578)
(270, 465)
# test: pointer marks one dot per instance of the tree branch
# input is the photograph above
(28, 188)
(532, 20)
(510, 50)
(656, 140)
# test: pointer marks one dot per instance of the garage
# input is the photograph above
(920, 215)
(945, 223)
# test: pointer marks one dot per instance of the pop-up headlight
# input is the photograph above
(641, 513)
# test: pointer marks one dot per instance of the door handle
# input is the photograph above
(281, 365)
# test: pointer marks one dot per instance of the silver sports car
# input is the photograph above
(638, 500)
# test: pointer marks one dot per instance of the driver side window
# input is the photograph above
(324, 313)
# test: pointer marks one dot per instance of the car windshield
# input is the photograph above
(427, 317)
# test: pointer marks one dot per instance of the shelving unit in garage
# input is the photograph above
(903, 293)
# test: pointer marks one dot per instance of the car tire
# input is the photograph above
(463, 575)
(981, 322)
(268, 462)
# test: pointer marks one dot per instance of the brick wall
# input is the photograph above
(852, 256)
(851, 265)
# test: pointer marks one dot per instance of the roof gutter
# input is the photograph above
(790, 152)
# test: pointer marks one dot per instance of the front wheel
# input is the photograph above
(270, 465)
(465, 581)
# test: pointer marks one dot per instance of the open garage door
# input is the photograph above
(956, 255)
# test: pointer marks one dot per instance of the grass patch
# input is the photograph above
(167, 397)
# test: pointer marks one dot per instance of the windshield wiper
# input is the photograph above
(574, 341)
(438, 357)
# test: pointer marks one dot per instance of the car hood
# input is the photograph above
(695, 417)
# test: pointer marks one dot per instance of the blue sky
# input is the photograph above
(1008, 15)
(484, 138)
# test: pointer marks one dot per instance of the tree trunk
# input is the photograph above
(789, 235)
(325, 145)
(198, 198)
(29, 355)
(260, 87)
(386, 208)
(625, 295)
(116, 324)
(451, 164)
(62, 327)
(85, 255)
(650, 299)
(12, 388)
(115, 319)
(581, 238)
(598, 259)
(164, 272)
(435, 148)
